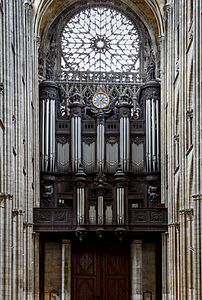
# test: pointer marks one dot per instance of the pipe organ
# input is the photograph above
(102, 158)
(152, 128)
(125, 112)
(48, 98)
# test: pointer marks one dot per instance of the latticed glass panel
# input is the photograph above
(100, 39)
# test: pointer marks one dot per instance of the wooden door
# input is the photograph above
(100, 272)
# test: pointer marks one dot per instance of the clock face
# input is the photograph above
(101, 100)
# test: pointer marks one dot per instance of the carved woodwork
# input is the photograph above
(119, 191)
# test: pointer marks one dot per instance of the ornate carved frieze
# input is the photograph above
(112, 139)
(88, 139)
(63, 139)
(48, 90)
(137, 139)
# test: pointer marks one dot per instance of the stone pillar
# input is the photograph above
(136, 270)
(66, 270)
(164, 237)
(36, 237)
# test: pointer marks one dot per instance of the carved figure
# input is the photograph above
(153, 193)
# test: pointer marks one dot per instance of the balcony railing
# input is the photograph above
(63, 220)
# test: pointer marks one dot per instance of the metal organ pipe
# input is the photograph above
(48, 96)
(125, 143)
(120, 205)
(128, 143)
(72, 142)
(76, 142)
(79, 142)
(80, 205)
(121, 142)
(100, 146)
(157, 136)
(148, 134)
(47, 133)
(100, 210)
(42, 134)
(152, 134)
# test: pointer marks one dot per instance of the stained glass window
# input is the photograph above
(100, 39)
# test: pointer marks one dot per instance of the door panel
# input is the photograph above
(84, 267)
(100, 272)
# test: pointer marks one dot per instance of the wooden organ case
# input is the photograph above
(100, 162)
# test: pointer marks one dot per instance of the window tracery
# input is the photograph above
(100, 39)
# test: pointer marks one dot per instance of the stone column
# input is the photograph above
(36, 237)
(136, 270)
(66, 270)
(164, 237)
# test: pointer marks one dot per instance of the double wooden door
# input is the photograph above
(100, 272)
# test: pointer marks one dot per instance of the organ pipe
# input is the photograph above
(100, 145)
(76, 133)
(120, 195)
(120, 205)
(152, 134)
(80, 195)
(125, 143)
(48, 98)
(80, 205)
(100, 210)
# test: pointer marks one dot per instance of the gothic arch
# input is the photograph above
(149, 11)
